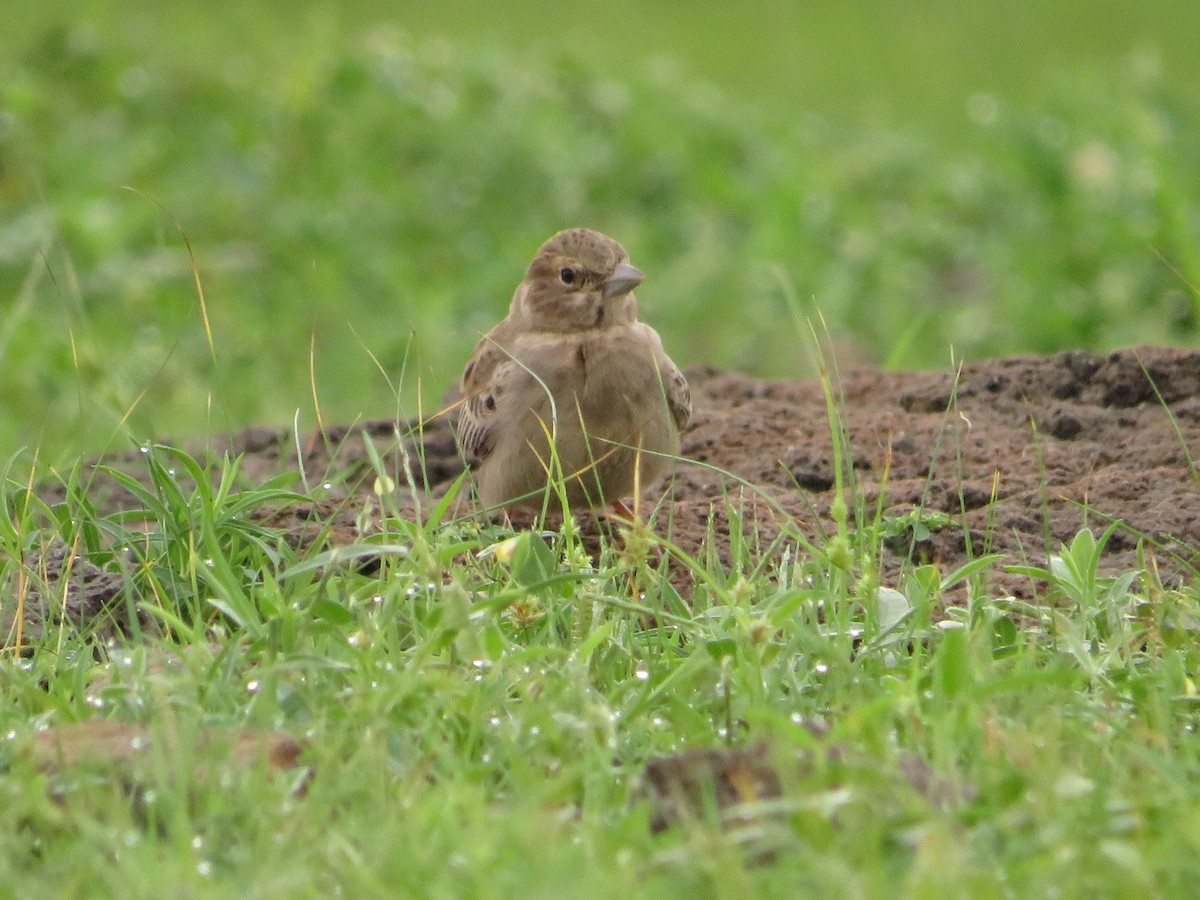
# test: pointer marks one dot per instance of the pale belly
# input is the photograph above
(601, 436)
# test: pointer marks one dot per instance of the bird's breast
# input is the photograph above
(597, 365)
(616, 363)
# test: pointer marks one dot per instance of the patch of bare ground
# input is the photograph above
(1019, 452)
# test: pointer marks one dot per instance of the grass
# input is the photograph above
(368, 192)
(477, 709)
(476, 722)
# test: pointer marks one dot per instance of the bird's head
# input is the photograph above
(579, 280)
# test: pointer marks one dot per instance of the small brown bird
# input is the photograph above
(571, 385)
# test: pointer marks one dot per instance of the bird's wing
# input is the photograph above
(489, 375)
(675, 386)
(478, 413)
(679, 395)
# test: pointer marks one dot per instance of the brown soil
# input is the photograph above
(1021, 453)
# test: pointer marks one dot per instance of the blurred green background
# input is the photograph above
(363, 183)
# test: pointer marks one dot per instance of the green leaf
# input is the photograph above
(595, 639)
(952, 667)
(1004, 633)
(335, 613)
(721, 648)
(891, 608)
(533, 562)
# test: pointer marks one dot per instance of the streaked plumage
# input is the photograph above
(572, 360)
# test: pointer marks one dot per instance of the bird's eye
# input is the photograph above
(567, 274)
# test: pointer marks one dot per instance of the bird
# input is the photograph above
(571, 388)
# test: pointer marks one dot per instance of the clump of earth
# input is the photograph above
(1009, 456)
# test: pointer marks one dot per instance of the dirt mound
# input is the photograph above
(1021, 453)
(1018, 453)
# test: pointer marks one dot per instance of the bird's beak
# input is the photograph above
(623, 280)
